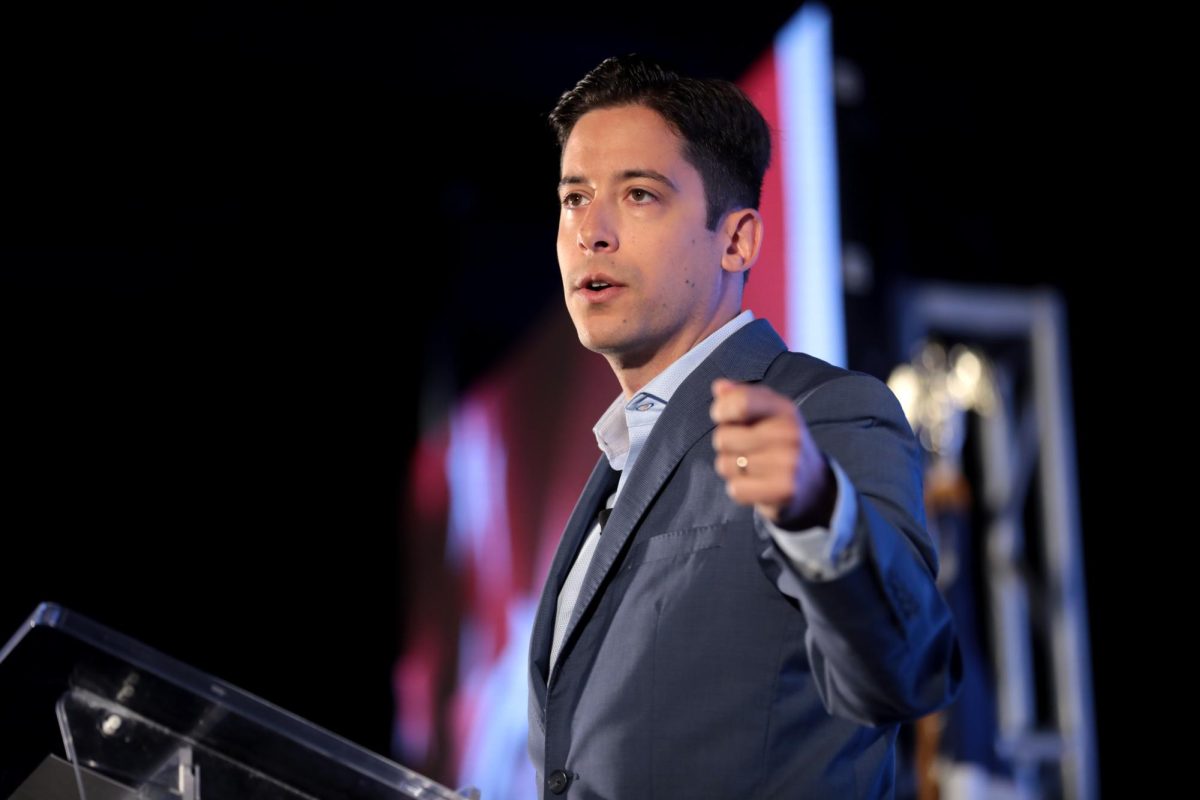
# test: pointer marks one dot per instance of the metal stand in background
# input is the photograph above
(988, 393)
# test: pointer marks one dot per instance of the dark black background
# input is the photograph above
(245, 248)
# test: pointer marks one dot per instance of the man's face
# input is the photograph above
(633, 213)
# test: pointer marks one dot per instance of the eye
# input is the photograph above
(642, 192)
(569, 200)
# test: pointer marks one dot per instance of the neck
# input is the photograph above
(634, 372)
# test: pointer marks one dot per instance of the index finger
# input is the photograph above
(745, 402)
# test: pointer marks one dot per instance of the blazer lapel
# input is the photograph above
(744, 356)
(599, 486)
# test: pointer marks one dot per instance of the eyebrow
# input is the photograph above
(624, 175)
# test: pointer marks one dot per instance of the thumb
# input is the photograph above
(722, 385)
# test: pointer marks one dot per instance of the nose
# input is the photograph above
(597, 232)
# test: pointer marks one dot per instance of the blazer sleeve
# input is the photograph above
(880, 638)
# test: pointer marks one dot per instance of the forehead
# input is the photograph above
(607, 142)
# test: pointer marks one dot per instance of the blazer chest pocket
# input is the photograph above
(674, 544)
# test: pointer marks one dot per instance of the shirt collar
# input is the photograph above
(612, 429)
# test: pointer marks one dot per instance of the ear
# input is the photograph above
(741, 232)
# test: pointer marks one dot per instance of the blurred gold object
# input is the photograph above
(937, 390)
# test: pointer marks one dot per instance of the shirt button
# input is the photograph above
(645, 406)
(558, 781)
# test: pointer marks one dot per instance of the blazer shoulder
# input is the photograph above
(798, 374)
(757, 353)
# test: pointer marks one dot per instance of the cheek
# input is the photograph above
(566, 231)
(685, 260)
(563, 246)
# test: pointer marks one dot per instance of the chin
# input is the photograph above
(603, 334)
(591, 343)
(597, 344)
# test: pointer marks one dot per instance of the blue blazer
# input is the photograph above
(698, 663)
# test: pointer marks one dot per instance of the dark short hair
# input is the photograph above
(725, 136)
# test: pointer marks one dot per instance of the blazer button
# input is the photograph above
(558, 781)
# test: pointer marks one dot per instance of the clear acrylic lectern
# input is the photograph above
(87, 713)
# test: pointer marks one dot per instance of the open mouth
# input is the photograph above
(599, 291)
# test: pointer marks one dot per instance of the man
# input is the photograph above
(743, 602)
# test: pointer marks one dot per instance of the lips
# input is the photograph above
(598, 287)
(600, 295)
(596, 281)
